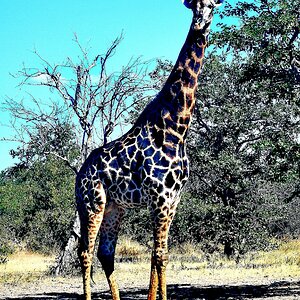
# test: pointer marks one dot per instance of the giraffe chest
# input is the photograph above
(136, 176)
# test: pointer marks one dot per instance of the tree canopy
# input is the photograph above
(245, 139)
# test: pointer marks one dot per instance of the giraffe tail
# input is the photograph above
(92, 276)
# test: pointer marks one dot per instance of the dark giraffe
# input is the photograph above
(147, 166)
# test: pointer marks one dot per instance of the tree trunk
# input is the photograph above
(68, 260)
(228, 249)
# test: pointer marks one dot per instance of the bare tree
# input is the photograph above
(95, 101)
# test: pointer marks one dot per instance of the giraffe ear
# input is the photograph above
(188, 3)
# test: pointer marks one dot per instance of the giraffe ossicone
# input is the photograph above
(148, 166)
(192, 4)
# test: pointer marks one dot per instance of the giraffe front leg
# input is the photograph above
(153, 279)
(158, 276)
(159, 261)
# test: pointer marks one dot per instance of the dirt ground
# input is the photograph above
(131, 288)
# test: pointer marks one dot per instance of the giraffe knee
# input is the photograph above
(86, 259)
(161, 259)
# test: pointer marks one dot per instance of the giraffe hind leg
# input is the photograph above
(90, 224)
(107, 244)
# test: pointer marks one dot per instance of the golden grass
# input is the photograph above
(281, 263)
(25, 266)
(187, 265)
(287, 253)
(129, 250)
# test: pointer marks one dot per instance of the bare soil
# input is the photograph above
(213, 288)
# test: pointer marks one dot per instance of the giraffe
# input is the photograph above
(147, 166)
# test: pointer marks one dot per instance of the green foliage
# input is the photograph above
(37, 195)
(48, 140)
(137, 224)
(157, 78)
(214, 227)
(37, 207)
(245, 141)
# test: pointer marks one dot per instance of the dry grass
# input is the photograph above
(187, 265)
(25, 266)
(288, 253)
(129, 250)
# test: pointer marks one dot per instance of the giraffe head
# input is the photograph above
(202, 10)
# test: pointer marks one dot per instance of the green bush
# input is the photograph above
(37, 206)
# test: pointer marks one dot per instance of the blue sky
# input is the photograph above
(152, 28)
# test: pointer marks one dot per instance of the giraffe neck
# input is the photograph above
(172, 109)
(180, 87)
(179, 91)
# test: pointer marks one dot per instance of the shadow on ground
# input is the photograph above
(180, 292)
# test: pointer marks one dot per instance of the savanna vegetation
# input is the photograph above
(244, 188)
(191, 275)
